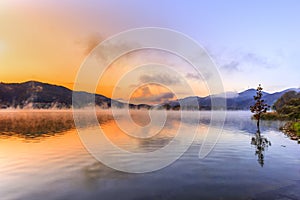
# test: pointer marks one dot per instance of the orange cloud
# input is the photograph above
(152, 94)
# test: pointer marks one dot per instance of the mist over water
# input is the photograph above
(41, 156)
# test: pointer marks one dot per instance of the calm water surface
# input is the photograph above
(42, 157)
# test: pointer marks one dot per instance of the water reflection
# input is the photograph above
(59, 167)
(97, 170)
(261, 143)
(125, 141)
(34, 125)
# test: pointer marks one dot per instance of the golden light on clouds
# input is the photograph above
(152, 94)
(145, 73)
(47, 43)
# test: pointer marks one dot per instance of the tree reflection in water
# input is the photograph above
(261, 143)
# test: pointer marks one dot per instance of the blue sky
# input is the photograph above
(251, 42)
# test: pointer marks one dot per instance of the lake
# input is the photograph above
(43, 157)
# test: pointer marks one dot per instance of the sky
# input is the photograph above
(250, 42)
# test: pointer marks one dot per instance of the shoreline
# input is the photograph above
(288, 129)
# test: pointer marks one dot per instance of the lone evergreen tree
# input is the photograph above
(259, 107)
(259, 141)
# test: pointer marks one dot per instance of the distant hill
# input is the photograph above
(240, 101)
(37, 95)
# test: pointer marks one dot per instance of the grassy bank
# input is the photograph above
(292, 129)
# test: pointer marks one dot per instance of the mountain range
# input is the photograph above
(37, 95)
(234, 101)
